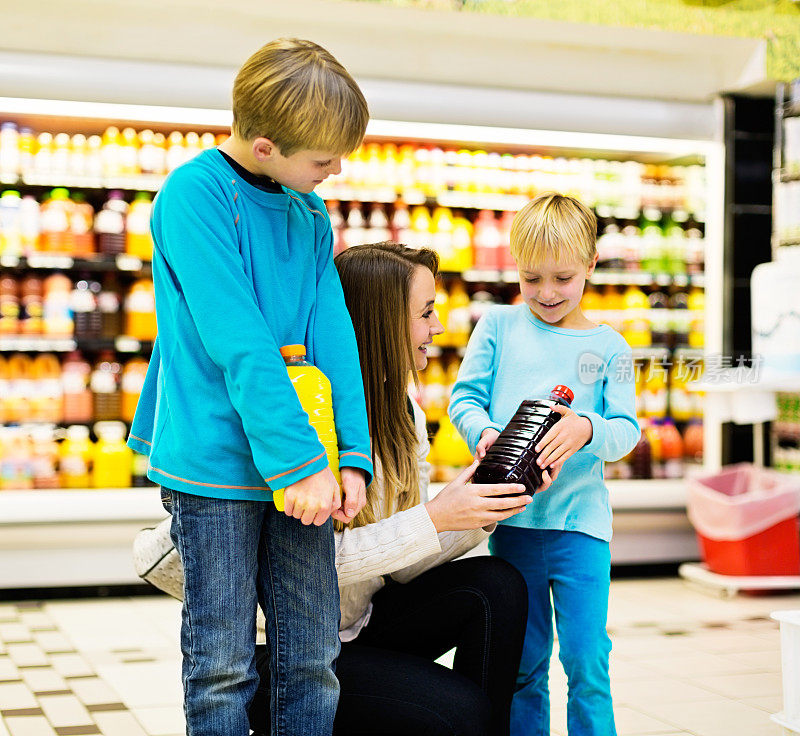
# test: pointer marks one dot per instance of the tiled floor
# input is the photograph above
(684, 662)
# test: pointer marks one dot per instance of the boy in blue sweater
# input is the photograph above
(561, 541)
(243, 265)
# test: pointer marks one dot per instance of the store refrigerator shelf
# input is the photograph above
(39, 344)
(58, 262)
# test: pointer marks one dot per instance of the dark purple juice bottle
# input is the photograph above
(512, 458)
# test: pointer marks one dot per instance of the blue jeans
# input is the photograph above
(237, 555)
(576, 569)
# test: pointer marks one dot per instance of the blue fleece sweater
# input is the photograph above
(513, 356)
(239, 272)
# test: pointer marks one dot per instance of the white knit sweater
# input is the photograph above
(402, 546)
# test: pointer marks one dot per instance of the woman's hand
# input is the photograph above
(564, 439)
(462, 505)
(488, 437)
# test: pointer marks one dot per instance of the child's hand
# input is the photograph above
(488, 437)
(569, 434)
(313, 499)
(354, 490)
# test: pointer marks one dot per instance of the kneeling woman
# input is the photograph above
(405, 600)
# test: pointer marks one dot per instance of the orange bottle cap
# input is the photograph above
(565, 392)
(289, 350)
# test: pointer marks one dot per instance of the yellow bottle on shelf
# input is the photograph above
(459, 322)
(75, 457)
(449, 450)
(636, 321)
(314, 391)
(435, 397)
(137, 227)
(140, 311)
(441, 306)
(697, 326)
(113, 459)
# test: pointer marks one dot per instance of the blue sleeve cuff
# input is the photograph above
(598, 432)
(357, 460)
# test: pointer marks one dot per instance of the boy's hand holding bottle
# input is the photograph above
(313, 498)
(563, 440)
(354, 490)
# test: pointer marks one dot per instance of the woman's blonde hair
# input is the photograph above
(553, 227)
(298, 95)
(376, 280)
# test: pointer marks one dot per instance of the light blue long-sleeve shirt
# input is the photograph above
(513, 356)
(239, 272)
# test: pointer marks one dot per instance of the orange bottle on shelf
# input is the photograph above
(47, 397)
(128, 152)
(112, 458)
(111, 151)
(654, 394)
(140, 311)
(459, 323)
(20, 387)
(653, 431)
(81, 225)
(133, 375)
(56, 313)
(55, 215)
(671, 449)
(441, 306)
(435, 396)
(9, 305)
(4, 390)
(78, 404)
(693, 442)
(44, 456)
(462, 244)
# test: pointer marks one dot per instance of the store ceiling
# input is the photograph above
(393, 43)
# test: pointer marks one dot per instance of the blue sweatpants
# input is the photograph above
(575, 569)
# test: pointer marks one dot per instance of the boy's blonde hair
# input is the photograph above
(554, 227)
(295, 93)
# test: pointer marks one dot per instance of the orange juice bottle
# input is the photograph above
(56, 313)
(442, 237)
(137, 225)
(133, 375)
(697, 325)
(47, 396)
(435, 403)
(81, 224)
(441, 306)
(75, 457)
(314, 391)
(112, 458)
(55, 214)
(111, 151)
(462, 244)
(9, 305)
(20, 389)
(680, 399)
(671, 449)
(140, 311)
(128, 152)
(654, 395)
(44, 456)
(78, 403)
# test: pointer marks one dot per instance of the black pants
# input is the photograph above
(390, 684)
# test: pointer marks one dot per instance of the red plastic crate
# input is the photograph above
(775, 551)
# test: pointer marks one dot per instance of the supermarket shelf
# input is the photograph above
(134, 183)
(57, 262)
(76, 506)
(39, 344)
(599, 277)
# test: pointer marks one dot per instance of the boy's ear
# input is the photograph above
(590, 269)
(264, 149)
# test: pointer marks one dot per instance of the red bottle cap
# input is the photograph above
(563, 392)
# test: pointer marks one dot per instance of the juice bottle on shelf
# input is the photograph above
(442, 237)
(59, 163)
(671, 449)
(462, 244)
(16, 472)
(56, 313)
(85, 312)
(355, 232)
(506, 261)
(435, 397)
(401, 223)
(459, 322)
(654, 395)
(47, 398)
(81, 223)
(111, 153)
(9, 305)
(659, 318)
(20, 387)
(512, 458)
(695, 248)
(636, 317)
(378, 224)
(208, 140)
(314, 391)
(105, 386)
(54, 221)
(680, 399)
(10, 224)
(176, 151)
(640, 459)
(679, 317)
(109, 224)
(43, 154)
(441, 306)
(451, 376)
(449, 450)
(109, 302)
(138, 241)
(614, 307)
(486, 241)
(29, 223)
(591, 301)
(191, 143)
(112, 458)
(44, 456)
(152, 153)
(693, 442)
(653, 242)
(78, 155)
(31, 305)
(9, 151)
(420, 227)
(94, 158)
(133, 375)
(75, 457)
(27, 147)
(653, 431)
(140, 311)
(697, 325)
(128, 152)
(78, 403)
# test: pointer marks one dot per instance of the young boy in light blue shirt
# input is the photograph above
(561, 541)
(242, 265)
